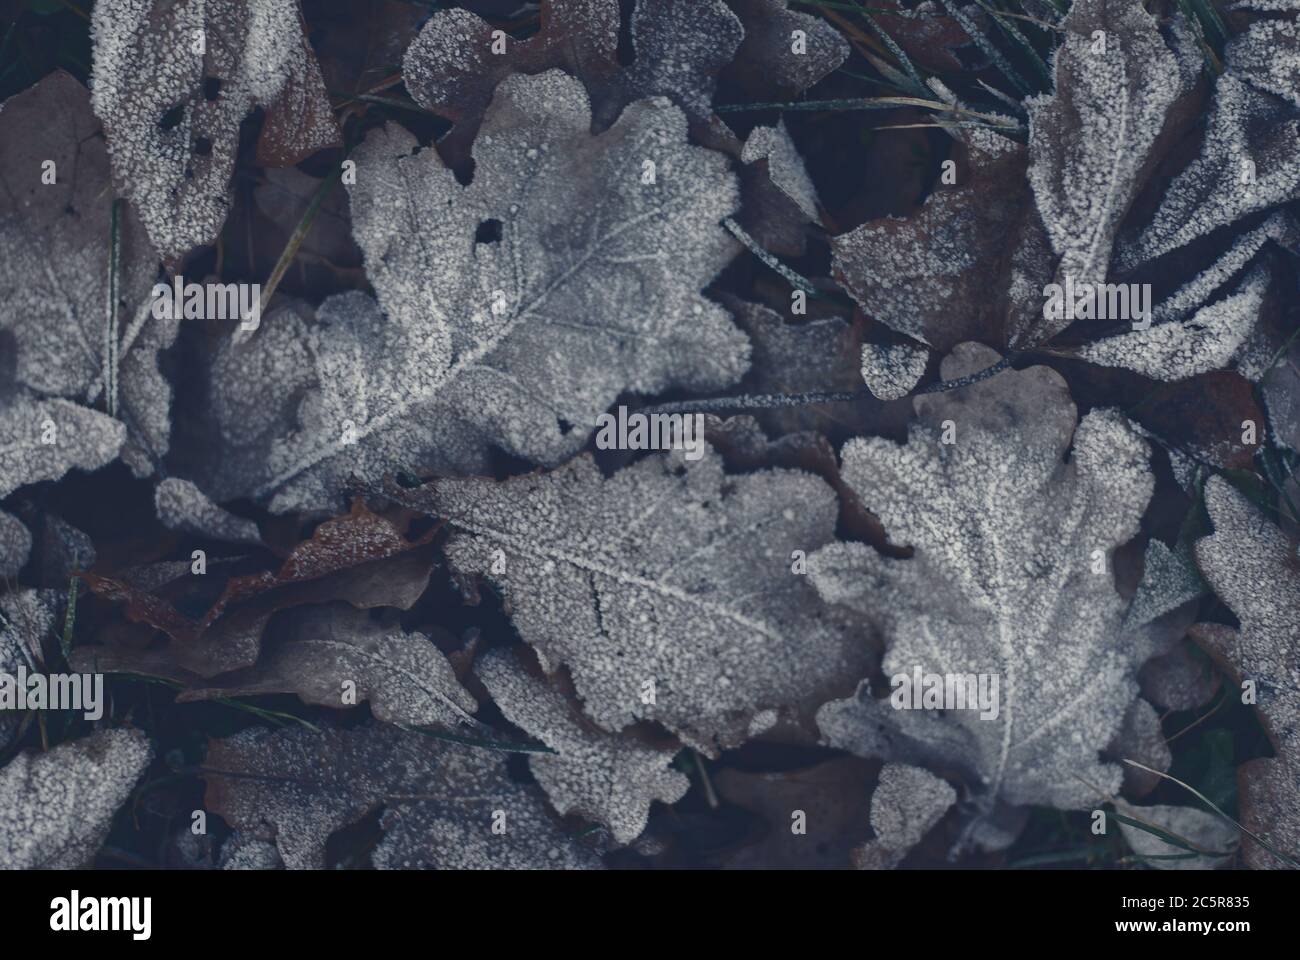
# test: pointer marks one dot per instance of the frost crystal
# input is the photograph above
(667, 588)
(56, 807)
(1088, 142)
(1251, 565)
(608, 778)
(172, 112)
(522, 342)
(1007, 537)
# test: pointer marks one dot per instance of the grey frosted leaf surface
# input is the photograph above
(1169, 579)
(1206, 341)
(892, 371)
(907, 802)
(605, 777)
(1001, 582)
(1253, 567)
(667, 572)
(83, 438)
(1217, 188)
(295, 787)
(56, 807)
(407, 680)
(1089, 140)
(1267, 55)
(183, 506)
(254, 388)
(933, 276)
(26, 618)
(15, 545)
(1206, 831)
(1281, 387)
(785, 166)
(1141, 739)
(54, 247)
(519, 343)
(679, 47)
(147, 73)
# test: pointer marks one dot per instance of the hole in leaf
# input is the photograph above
(489, 231)
(565, 426)
(211, 88)
(172, 117)
(202, 147)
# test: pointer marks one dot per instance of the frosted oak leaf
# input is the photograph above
(1089, 141)
(1006, 534)
(54, 277)
(519, 343)
(667, 573)
(173, 80)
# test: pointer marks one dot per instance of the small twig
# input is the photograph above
(792, 278)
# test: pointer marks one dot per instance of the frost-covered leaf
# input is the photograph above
(294, 788)
(907, 803)
(784, 165)
(406, 679)
(56, 807)
(15, 545)
(1089, 141)
(609, 778)
(360, 557)
(1281, 388)
(892, 371)
(26, 617)
(44, 439)
(768, 65)
(174, 79)
(934, 276)
(1207, 832)
(679, 46)
(1255, 570)
(522, 342)
(55, 240)
(1206, 341)
(1250, 161)
(1006, 537)
(667, 574)
(254, 387)
(1169, 580)
(183, 506)
(1267, 55)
